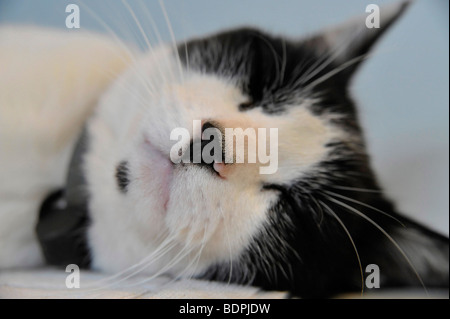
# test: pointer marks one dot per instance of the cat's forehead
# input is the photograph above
(261, 63)
(241, 45)
(274, 72)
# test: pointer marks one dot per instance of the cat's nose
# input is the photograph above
(210, 125)
(208, 150)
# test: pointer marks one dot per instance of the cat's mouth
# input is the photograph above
(161, 171)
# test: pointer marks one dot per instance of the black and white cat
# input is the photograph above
(310, 228)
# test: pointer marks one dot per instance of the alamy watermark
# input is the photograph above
(73, 279)
(73, 19)
(226, 145)
(373, 19)
(373, 278)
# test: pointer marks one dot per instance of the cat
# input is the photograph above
(311, 228)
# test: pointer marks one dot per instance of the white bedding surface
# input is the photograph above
(50, 284)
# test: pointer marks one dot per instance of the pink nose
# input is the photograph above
(220, 168)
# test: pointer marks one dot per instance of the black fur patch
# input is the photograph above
(122, 176)
(271, 70)
(64, 216)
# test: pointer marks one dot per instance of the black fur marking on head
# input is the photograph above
(122, 176)
(273, 72)
(265, 67)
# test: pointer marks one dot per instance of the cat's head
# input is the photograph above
(194, 218)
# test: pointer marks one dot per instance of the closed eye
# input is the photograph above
(246, 106)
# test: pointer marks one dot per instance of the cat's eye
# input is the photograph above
(246, 106)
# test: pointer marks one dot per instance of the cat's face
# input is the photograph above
(187, 217)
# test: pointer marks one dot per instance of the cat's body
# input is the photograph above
(39, 125)
(311, 227)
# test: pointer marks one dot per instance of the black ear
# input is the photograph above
(346, 45)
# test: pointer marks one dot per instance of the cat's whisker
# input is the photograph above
(389, 237)
(297, 73)
(320, 208)
(186, 52)
(326, 59)
(264, 263)
(100, 287)
(284, 62)
(165, 63)
(280, 266)
(126, 281)
(351, 240)
(184, 252)
(196, 258)
(174, 278)
(162, 249)
(335, 71)
(323, 62)
(365, 205)
(288, 248)
(150, 48)
(143, 266)
(122, 45)
(159, 42)
(276, 60)
(138, 24)
(277, 243)
(356, 189)
(229, 243)
(172, 36)
(153, 25)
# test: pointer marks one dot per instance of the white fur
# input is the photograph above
(49, 83)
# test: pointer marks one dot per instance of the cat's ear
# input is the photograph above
(348, 44)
